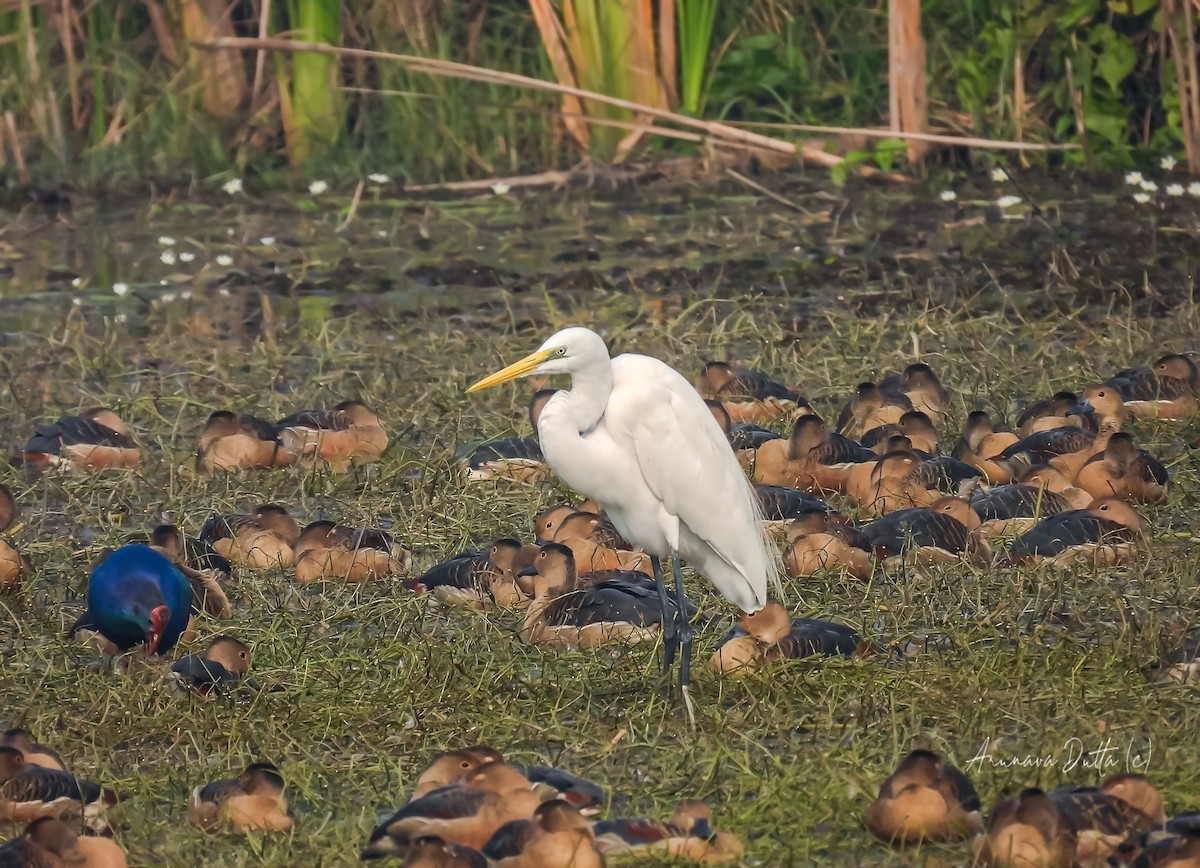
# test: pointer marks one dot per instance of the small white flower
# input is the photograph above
(121, 288)
(500, 188)
(120, 318)
(77, 301)
(381, 233)
(167, 297)
(167, 257)
(163, 282)
(268, 240)
(223, 292)
(378, 178)
(1168, 162)
(224, 260)
(947, 195)
(186, 257)
(232, 186)
(1008, 201)
(317, 187)
(999, 174)
(1141, 198)
(1148, 186)
(1133, 178)
(77, 282)
(230, 231)
(166, 241)
(1194, 188)
(186, 294)
(1174, 189)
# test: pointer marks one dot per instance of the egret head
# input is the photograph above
(564, 352)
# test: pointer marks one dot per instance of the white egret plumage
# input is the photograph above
(633, 434)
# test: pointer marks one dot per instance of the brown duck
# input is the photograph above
(326, 550)
(688, 834)
(12, 565)
(748, 395)
(1167, 391)
(980, 443)
(947, 531)
(1107, 532)
(258, 540)
(1125, 471)
(925, 799)
(252, 800)
(96, 440)
(1024, 832)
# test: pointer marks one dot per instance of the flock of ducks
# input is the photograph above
(1059, 489)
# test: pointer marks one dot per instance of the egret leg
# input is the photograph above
(685, 639)
(669, 632)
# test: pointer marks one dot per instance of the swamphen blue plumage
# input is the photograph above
(136, 595)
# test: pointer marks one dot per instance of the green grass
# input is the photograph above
(372, 681)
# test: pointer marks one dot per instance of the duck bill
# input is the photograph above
(1082, 408)
(523, 368)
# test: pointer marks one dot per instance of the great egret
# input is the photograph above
(633, 434)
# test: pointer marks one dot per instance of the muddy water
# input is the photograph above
(860, 248)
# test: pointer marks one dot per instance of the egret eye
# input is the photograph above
(562, 351)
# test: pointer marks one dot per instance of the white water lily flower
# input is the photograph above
(77, 281)
(947, 195)
(317, 187)
(167, 257)
(1141, 198)
(166, 241)
(1133, 178)
(121, 289)
(1008, 201)
(999, 174)
(500, 188)
(1194, 188)
(233, 186)
(1148, 186)
(186, 257)
(1174, 189)
(267, 240)
(377, 178)
(224, 260)
(1168, 162)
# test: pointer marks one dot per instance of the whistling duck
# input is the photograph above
(1107, 532)
(872, 407)
(915, 425)
(136, 596)
(889, 484)
(1067, 448)
(349, 434)
(1138, 795)
(980, 442)
(944, 532)
(748, 395)
(1182, 663)
(819, 542)
(430, 851)
(260, 540)
(590, 526)
(688, 834)
(233, 442)
(1122, 470)
(1052, 479)
(222, 664)
(922, 387)
(1169, 391)
(252, 800)
(454, 766)
(810, 458)
(1099, 821)
(480, 579)
(327, 550)
(12, 565)
(51, 843)
(772, 634)
(200, 564)
(925, 799)
(557, 836)
(1026, 831)
(567, 612)
(583, 795)
(1010, 509)
(1175, 843)
(1056, 411)
(468, 812)
(29, 792)
(516, 458)
(34, 753)
(97, 440)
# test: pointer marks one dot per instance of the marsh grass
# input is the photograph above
(365, 683)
